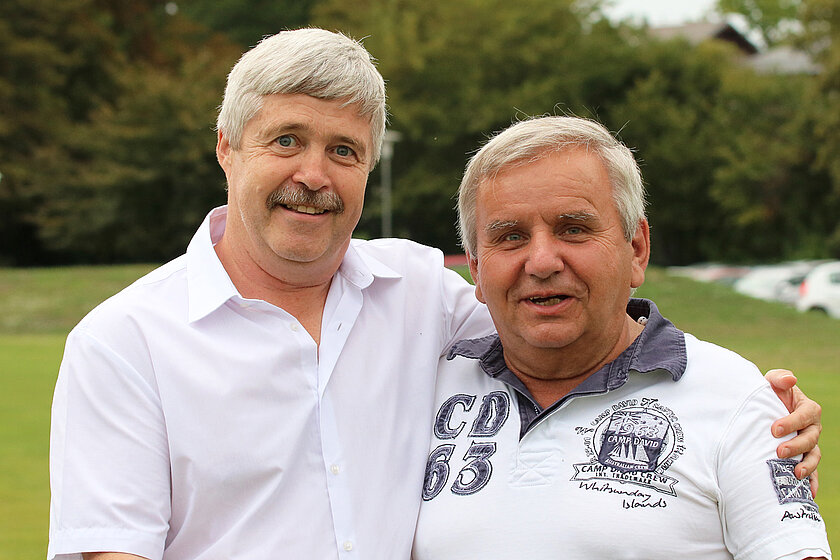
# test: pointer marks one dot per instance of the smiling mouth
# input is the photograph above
(304, 201)
(547, 301)
(304, 209)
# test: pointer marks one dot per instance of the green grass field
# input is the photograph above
(41, 305)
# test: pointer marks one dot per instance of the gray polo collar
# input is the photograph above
(660, 346)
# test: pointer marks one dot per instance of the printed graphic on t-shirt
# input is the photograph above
(791, 490)
(489, 418)
(633, 442)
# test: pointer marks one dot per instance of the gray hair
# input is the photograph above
(528, 141)
(312, 62)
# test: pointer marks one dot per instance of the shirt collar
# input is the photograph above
(660, 346)
(210, 287)
(360, 268)
(208, 283)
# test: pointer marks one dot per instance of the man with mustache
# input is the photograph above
(306, 201)
(589, 426)
(265, 394)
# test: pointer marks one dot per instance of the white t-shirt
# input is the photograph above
(661, 464)
(191, 423)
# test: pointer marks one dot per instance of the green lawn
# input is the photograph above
(41, 305)
(52, 300)
(28, 364)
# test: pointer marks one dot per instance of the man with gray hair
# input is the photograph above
(589, 426)
(263, 395)
(260, 396)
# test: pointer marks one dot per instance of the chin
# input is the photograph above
(301, 254)
(551, 338)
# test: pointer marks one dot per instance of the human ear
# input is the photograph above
(473, 264)
(641, 253)
(223, 150)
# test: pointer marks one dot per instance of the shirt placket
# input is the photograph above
(333, 337)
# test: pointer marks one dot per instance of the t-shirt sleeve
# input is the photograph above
(766, 512)
(109, 461)
(466, 317)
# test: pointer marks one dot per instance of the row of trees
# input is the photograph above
(107, 112)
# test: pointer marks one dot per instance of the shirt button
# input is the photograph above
(348, 546)
(295, 327)
(335, 469)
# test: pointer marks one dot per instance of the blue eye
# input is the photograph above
(513, 237)
(286, 141)
(344, 151)
(574, 230)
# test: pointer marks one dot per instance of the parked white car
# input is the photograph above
(821, 290)
(774, 282)
(711, 272)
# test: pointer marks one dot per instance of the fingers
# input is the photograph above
(805, 414)
(808, 467)
(804, 417)
(781, 379)
(804, 442)
(815, 484)
(783, 383)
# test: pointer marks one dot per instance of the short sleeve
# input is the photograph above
(766, 512)
(109, 460)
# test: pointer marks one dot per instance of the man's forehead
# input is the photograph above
(525, 208)
(307, 108)
(573, 173)
(568, 162)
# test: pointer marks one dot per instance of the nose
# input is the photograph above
(544, 256)
(312, 169)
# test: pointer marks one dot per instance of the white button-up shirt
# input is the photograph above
(191, 423)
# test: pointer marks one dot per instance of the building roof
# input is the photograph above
(777, 60)
(698, 32)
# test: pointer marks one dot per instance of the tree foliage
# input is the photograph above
(57, 66)
(728, 157)
(112, 130)
(107, 110)
(822, 38)
(451, 83)
(143, 171)
(246, 22)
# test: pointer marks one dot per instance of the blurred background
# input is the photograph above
(107, 163)
(107, 111)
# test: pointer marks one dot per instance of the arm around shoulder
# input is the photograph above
(466, 316)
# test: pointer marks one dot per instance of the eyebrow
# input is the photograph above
(274, 129)
(577, 216)
(498, 225)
